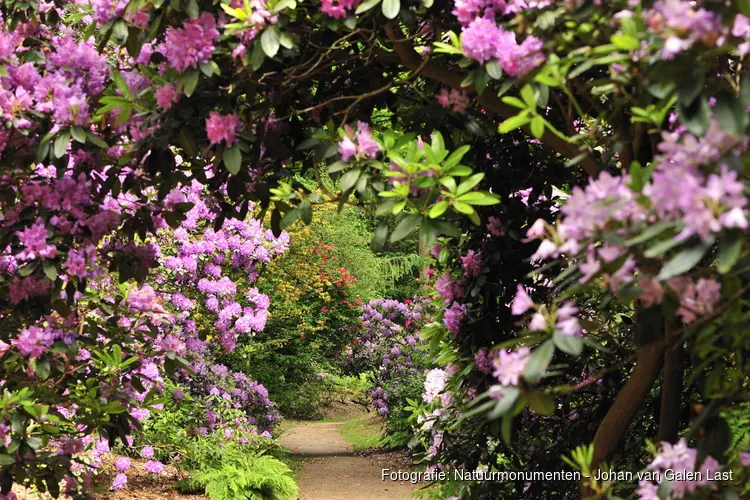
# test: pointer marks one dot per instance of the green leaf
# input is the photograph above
(730, 248)
(126, 110)
(569, 344)
(381, 234)
(538, 362)
(187, 142)
(636, 174)
(365, 6)
(463, 208)
(650, 233)
(257, 56)
(506, 428)
(121, 84)
(270, 41)
(61, 144)
(50, 270)
(349, 179)
(513, 123)
(469, 183)
(625, 42)
(438, 209)
(728, 494)
(391, 8)
(444, 48)
(337, 166)
(206, 68)
(514, 101)
(289, 218)
(661, 248)
(455, 157)
(494, 69)
(695, 117)
(189, 82)
(438, 144)
(480, 81)
(729, 114)
(479, 198)
(283, 4)
(120, 32)
(96, 140)
(683, 261)
(287, 41)
(537, 127)
(192, 9)
(306, 211)
(233, 159)
(446, 228)
(34, 442)
(404, 228)
(42, 369)
(78, 134)
(507, 398)
(690, 86)
(529, 96)
(6, 459)
(542, 403)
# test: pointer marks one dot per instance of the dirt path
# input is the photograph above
(333, 472)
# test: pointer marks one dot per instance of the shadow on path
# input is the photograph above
(333, 471)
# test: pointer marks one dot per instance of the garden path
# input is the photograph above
(332, 471)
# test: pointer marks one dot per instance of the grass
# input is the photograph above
(363, 433)
(294, 462)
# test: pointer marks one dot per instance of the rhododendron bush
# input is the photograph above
(389, 349)
(577, 169)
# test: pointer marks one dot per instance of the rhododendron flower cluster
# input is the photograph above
(680, 460)
(219, 387)
(457, 100)
(191, 44)
(222, 128)
(250, 24)
(697, 203)
(389, 343)
(204, 263)
(338, 9)
(560, 317)
(681, 25)
(358, 144)
(483, 39)
(434, 384)
(508, 366)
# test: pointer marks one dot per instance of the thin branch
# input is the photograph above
(409, 58)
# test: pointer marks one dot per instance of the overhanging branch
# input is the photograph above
(404, 48)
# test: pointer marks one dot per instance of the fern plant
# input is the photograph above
(244, 478)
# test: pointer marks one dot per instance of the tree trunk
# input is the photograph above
(671, 395)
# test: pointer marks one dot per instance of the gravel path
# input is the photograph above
(333, 472)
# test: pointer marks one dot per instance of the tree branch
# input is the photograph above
(671, 395)
(409, 58)
(633, 393)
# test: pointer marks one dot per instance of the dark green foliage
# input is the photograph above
(398, 429)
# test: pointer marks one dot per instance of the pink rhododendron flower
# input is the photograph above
(166, 95)
(222, 128)
(154, 467)
(119, 481)
(509, 365)
(521, 302)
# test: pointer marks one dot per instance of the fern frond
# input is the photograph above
(396, 267)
